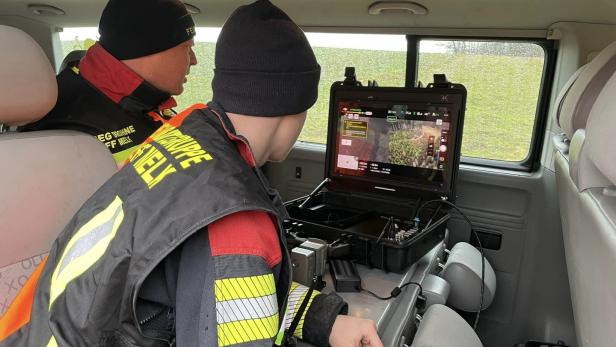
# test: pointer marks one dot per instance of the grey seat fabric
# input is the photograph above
(443, 327)
(463, 272)
(587, 198)
(46, 176)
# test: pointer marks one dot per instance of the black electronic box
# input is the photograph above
(389, 150)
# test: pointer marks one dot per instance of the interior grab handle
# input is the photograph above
(379, 7)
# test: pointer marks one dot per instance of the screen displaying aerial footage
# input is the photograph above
(392, 141)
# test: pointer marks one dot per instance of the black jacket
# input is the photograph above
(192, 173)
(121, 124)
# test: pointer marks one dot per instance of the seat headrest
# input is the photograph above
(601, 131)
(562, 95)
(582, 170)
(580, 92)
(28, 89)
(443, 327)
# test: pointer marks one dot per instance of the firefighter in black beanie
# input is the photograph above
(123, 88)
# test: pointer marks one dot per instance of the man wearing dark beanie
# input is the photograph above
(122, 89)
(185, 245)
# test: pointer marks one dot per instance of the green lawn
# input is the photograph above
(502, 99)
(388, 68)
(502, 92)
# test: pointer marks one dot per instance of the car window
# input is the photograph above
(380, 57)
(503, 80)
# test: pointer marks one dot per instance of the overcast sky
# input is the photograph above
(357, 41)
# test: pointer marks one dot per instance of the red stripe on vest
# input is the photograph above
(246, 233)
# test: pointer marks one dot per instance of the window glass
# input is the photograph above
(378, 57)
(74, 39)
(375, 57)
(503, 81)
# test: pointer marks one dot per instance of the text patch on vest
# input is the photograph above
(152, 165)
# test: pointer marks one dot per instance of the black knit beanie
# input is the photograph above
(136, 28)
(264, 64)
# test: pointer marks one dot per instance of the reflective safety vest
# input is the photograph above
(187, 175)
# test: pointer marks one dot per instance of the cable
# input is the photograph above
(438, 209)
(386, 228)
(483, 261)
(415, 283)
(394, 292)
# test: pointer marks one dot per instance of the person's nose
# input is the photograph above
(193, 57)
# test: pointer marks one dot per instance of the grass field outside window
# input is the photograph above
(503, 81)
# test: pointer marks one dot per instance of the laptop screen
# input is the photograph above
(392, 137)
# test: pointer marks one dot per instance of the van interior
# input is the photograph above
(535, 179)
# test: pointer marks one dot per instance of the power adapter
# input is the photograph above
(345, 276)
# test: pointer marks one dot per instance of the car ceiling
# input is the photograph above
(514, 14)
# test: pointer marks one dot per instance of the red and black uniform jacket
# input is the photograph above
(104, 98)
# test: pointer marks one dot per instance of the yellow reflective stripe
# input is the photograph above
(299, 330)
(292, 299)
(297, 295)
(122, 156)
(288, 317)
(75, 262)
(245, 287)
(299, 303)
(246, 309)
(52, 342)
(247, 330)
(293, 286)
(281, 329)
